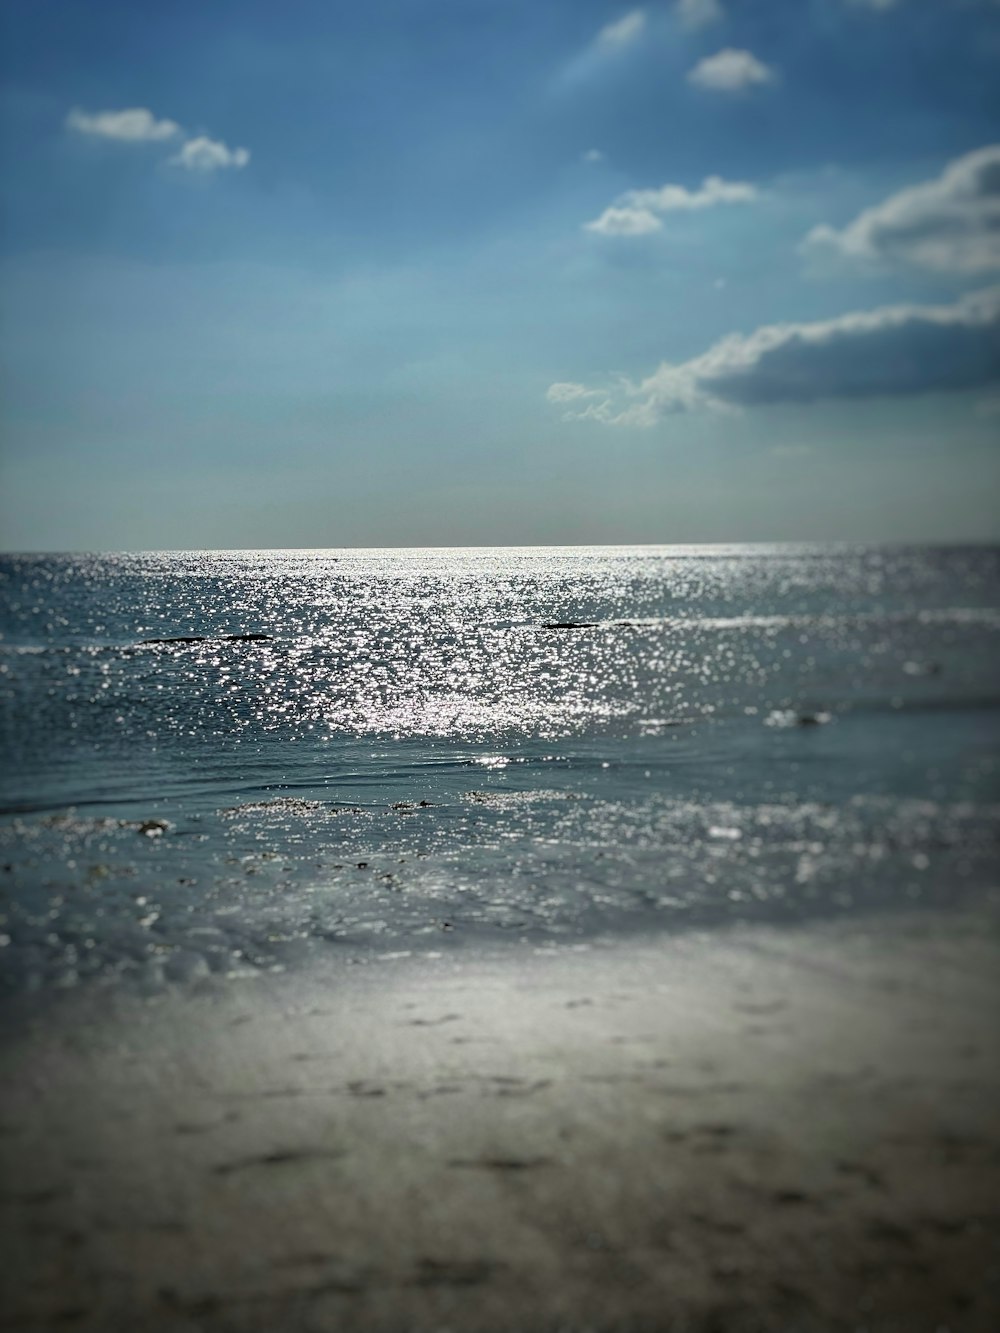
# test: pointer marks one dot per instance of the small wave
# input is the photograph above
(988, 617)
(983, 703)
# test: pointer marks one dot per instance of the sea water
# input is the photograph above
(419, 748)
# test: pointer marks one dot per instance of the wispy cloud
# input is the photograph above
(699, 13)
(891, 351)
(133, 125)
(639, 211)
(623, 31)
(731, 71)
(569, 393)
(880, 6)
(207, 155)
(950, 225)
(604, 51)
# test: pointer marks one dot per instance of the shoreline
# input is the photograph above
(788, 1129)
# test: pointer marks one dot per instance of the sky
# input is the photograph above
(450, 272)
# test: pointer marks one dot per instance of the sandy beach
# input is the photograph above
(752, 1130)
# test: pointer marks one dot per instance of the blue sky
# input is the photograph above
(486, 271)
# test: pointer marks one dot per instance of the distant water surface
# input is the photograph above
(413, 754)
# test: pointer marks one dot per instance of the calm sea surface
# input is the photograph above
(414, 756)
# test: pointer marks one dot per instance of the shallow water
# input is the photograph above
(411, 757)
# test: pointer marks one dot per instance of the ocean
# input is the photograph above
(217, 763)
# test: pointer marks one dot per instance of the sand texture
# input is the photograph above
(753, 1130)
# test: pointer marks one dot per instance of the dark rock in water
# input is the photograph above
(153, 828)
(922, 668)
(570, 624)
(787, 717)
(203, 638)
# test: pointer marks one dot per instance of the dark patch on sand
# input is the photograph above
(281, 1157)
(500, 1163)
(453, 1272)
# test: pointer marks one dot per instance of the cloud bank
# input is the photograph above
(730, 71)
(888, 352)
(948, 225)
(134, 125)
(637, 212)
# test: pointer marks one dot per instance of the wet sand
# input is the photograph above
(751, 1130)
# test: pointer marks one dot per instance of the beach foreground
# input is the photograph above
(756, 1129)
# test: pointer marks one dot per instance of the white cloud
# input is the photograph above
(714, 190)
(134, 125)
(699, 13)
(206, 155)
(950, 225)
(139, 125)
(638, 212)
(592, 155)
(623, 31)
(730, 71)
(891, 351)
(626, 221)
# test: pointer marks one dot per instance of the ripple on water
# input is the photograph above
(404, 753)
